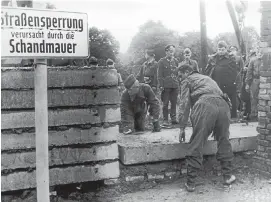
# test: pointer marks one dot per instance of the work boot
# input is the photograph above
(165, 123)
(190, 188)
(174, 122)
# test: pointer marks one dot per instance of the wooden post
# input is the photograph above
(41, 125)
(203, 36)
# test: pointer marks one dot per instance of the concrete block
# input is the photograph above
(170, 174)
(263, 102)
(265, 85)
(260, 148)
(60, 98)
(262, 131)
(61, 156)
(155, 177)
(261, 137)
(134, 178)
(138, 149)
(25, 180)
(265, 73)
(71, 136)
(109, 182)
(261, 114)
(62, 117)
(61, 77)
(263, 91)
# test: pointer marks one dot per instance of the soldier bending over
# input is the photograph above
(210, 113)
(134, 102)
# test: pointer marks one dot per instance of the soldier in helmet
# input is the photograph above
(134, 105)
(222, 68)
(111, 64)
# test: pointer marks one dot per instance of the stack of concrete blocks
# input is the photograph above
(262, 161)
(83, 126)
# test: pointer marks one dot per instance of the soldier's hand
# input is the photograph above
(156, 126)
(161, 88)
(182, 135)
(247, 87)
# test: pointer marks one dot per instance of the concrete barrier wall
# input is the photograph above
(262, 161)
(83, 126)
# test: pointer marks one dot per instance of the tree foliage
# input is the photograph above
(192, 40)
(151, 35)
(249, 34)
(102, 45)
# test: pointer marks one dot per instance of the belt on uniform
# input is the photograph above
(256, 77)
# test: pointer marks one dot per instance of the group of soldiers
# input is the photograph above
(208, 99)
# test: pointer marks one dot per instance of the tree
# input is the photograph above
(151, 35)
(249, 34)
(251, 37)
(102, 45)
(192, 40)
(228, 37)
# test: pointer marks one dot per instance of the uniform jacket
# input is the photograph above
(225, 70)
(148, 69)
(167, 73)
(145, 97)
(253, 71)
(192, 89)
(192, 63)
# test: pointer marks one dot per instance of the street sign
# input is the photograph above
(39, 34)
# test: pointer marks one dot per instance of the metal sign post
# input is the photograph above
(42, 34)
(41, 125)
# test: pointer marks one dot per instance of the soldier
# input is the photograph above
(223, 69)
(253, 81)
(93, 61)
(148, 71)
(110, 63)
(240, 67)
(134, 102)
(193, 63)
(168, 83)
(210, 113)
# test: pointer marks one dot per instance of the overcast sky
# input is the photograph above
(123, 17)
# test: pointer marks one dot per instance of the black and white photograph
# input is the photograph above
(135, 101)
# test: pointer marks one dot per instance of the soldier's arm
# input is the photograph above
(152, 101)
(184, 107)
(197, 67)
(127, 116)
(249, 75)
(140, 75)
(160, 74)
(209, 68)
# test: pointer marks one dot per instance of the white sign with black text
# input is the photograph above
(43, 33)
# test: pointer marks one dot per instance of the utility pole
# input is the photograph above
(203, 36)
(236, 27)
